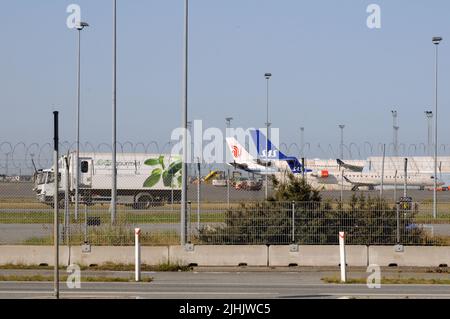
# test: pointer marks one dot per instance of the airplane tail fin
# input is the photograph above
(352, 168)
(274, 153)
(295, 166)
(265, 147)
(238, 151)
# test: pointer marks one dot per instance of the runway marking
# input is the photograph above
(192, 293)
(160, 282)
(139, 293)
(389, 295)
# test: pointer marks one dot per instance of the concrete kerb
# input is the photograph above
(247, 255)
(99, 255)
(120, 255)
(31, 255)
(261, 255)
(282, 256)
(412, 256)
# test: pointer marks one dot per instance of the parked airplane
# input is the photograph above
(361, 177)
(350, 175)
(372, 180)
(277, 163)
(246, 162)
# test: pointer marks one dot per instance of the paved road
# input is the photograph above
(261, 285)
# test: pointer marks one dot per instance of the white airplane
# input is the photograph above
(351, 175)
(371, 180)
(277, 163)
(246, 162)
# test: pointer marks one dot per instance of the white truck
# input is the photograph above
(143, 180)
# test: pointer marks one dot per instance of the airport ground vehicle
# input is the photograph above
(211, 176)
(248, 184)
(142, 179)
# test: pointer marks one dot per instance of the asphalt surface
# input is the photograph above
(211, 193)
(20, 190)
(225, 285)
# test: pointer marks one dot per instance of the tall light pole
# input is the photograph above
(114, 119)
(184, 123)
(302, 142)
(395, 128)
(6, 163)
(429, 115)
(80, 26)
(436, 41)
(342, 141)
(191, 159)
(228, 122)
(56, 203)
(267, 76)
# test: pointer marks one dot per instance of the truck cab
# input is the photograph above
(44, 185)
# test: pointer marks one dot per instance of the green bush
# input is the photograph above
(366, 221)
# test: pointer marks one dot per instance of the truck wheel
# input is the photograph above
(143, 202)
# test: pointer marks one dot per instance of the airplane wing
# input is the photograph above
(242, 166)
(353, 168)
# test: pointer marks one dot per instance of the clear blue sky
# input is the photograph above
(328, 68)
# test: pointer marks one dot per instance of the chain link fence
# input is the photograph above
(272, 223)
(227, 205)
(222, 182)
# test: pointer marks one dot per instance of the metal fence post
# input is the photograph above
(85, 224)
(171, 184)
(398, 247)
(395, 186)
(56, 204)
(398, 223)
(198, 194)
(382, 172)
(66, 201)
(293, 222)
(228, 188)
(189, 228)
(405, 187)
(198, 217)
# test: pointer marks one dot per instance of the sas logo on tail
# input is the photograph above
(236, 151)
(270, 154)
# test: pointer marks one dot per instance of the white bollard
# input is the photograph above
(137, 254)
(342, 256)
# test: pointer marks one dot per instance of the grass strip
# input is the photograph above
(165, 267)
(40, 278)
(124, 217)
(390, 281)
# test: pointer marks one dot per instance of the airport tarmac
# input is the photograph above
(210, 193)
